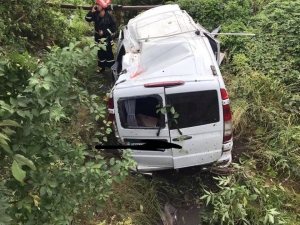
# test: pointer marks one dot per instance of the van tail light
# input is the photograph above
(227, 118)
(111, 110)
(163, 84)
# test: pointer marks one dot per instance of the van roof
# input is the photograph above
(161, 45)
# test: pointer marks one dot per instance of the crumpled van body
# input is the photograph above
(168, 87)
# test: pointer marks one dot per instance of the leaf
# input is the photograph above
(43, 190)
(2, 141)
(49, 79)
(41, 102)
(89, 164)
(176, 115)
(29, 115)
(44, 111)
(17, 171)
(28, 207)
(245, 201)
(35, 112)
(53, 184)
(6, 148)
(36, 200)
(28, 89)
(172, 110)
(43, 72)
(117, 179)
(22, 103)
(5, 219)
(8, 131)
(46, 86)
(71, 45)
(10, 123)
(96, 166)
(13, 101)
(208, 199)
(141, 208)
(21, 113)
(22, 160)
(204, 196)
(82, 170)
(3, 136)
(3, 62)
(95, 140)
(256, 190)
(253, 197)
(271, 218)
(105, 139)
(112, 161)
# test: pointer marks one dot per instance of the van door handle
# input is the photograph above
(183, 137)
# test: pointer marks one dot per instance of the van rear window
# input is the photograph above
(194, 108)
(140, 112)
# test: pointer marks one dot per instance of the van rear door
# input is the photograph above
(137, 119)
(199, 106)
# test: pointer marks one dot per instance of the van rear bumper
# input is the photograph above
(224, 162)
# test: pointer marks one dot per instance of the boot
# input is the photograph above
(100, 70)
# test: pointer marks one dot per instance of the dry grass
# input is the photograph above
(240, 118)
(135, 198)
(81, 126)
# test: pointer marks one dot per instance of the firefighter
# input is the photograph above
(105, 26)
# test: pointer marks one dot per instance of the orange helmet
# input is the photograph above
(104, 3)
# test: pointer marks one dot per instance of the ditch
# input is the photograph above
(179, 191)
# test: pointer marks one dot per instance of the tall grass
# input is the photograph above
(259, 112)
(135, 198)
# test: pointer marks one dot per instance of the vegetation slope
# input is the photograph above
(52, 114)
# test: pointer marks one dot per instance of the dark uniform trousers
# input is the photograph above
(106, 58)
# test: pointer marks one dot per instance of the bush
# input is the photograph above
(47, 176)
(245, 198)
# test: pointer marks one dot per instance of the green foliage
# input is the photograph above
(172, 115)
(231, 15)
(32, 23)
(245, 198)
(279, 26)
(52, 177)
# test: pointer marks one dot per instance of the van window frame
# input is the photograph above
(162, 117)
(191, 93)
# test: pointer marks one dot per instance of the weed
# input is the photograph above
(135, 198)
(245, 198)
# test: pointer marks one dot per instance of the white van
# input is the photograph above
(168, 87)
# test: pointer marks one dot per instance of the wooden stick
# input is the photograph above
(112, 7)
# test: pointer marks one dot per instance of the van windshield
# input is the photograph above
(194, 108)
(140, 112)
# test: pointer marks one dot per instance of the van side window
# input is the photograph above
(194, 108)
(140, 112)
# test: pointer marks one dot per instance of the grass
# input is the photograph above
(135, 198)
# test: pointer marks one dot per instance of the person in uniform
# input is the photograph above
(105, 27)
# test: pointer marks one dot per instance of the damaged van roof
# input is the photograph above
(162, 44)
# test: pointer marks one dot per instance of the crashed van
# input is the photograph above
(168, 87)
